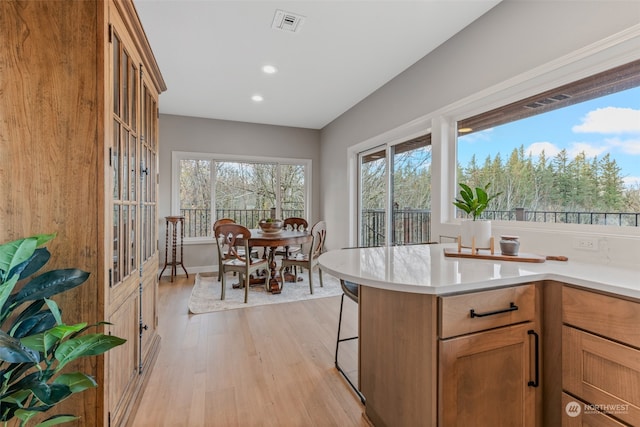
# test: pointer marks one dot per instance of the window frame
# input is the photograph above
(603, 55)
(177, 156)
(566, 70)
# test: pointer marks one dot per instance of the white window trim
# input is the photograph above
(395, 136)
(613, 51)
(176, 156)
(603, 55)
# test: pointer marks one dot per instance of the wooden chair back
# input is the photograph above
(228, 237)
(222, 221)
(295, 223)
(319, 234)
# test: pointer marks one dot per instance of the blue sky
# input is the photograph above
(609, 124)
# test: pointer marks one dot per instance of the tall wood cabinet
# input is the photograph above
(78, 156)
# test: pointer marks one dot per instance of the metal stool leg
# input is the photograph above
(338, 341)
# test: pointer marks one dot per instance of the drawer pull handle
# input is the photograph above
(536, 382)
(512, 307)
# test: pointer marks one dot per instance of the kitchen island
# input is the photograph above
(451, 341)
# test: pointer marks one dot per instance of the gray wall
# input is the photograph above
(514, 37)
(509, 40)
(179, 133)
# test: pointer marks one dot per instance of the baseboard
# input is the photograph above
(192, 270)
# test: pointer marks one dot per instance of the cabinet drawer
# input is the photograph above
(478, 311)
(602, 372)
(611, 317)
(575, 414)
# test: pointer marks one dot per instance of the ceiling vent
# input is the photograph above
(546, 101)
(287, 21)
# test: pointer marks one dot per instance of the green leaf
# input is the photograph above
(53, 307)
(19, 251)
(49, 284)
(76, 381)
(39, 258)
(12, 350)
(17, 398)
(462, 206)
(63, 331)
(86, 345)
(50, 394)
(44, 341)
(466, 193)
(482, 196)
(6, 288)
(37, 323)
(25, 415)
(16, 252)
(57, 419)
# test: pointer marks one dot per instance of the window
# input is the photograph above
(568, 155)
(408, 166)
(244, 189)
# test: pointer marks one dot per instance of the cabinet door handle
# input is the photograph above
(536, 382)
(512, 307)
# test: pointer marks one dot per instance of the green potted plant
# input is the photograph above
(475, 233)
(35, 345)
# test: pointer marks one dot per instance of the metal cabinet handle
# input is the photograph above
(536, 382)
(512, 307)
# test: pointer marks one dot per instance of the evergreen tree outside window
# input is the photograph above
(569, 155)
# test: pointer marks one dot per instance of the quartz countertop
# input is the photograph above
(424, 269)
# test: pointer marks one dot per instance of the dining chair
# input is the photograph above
(295, 224)
(233, 240)
(310, 259)
(218, 222)
(350, 290)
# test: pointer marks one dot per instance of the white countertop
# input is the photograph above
(424, 269)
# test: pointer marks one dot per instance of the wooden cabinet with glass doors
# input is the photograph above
(132, 292)
(79, 147)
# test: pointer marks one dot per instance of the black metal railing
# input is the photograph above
(198, 222)
(622, 219)
(409, 225)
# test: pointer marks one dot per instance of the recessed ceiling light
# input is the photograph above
(465, 130)
(257, 98)
(269, 69)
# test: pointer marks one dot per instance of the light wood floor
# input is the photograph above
(261, 366)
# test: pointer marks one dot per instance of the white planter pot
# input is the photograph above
(480, 229)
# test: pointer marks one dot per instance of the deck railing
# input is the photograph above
(197, 222)
(409, 225)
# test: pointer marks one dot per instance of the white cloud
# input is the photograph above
(483, 135)
(588, 149)
(550, 149)
(631, 181)
(610, 120)
(536, 148)
(628, 146)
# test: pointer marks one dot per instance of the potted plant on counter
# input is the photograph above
(475, 233)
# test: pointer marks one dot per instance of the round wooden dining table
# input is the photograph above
(271, 241)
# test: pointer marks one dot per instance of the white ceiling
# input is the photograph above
(211, 52)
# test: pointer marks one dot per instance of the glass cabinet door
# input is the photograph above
(124, 160)
(149, 168)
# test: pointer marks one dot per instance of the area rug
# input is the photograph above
(205, 296)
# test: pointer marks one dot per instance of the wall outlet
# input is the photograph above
(586, 243)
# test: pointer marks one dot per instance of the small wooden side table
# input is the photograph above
(173, 222)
